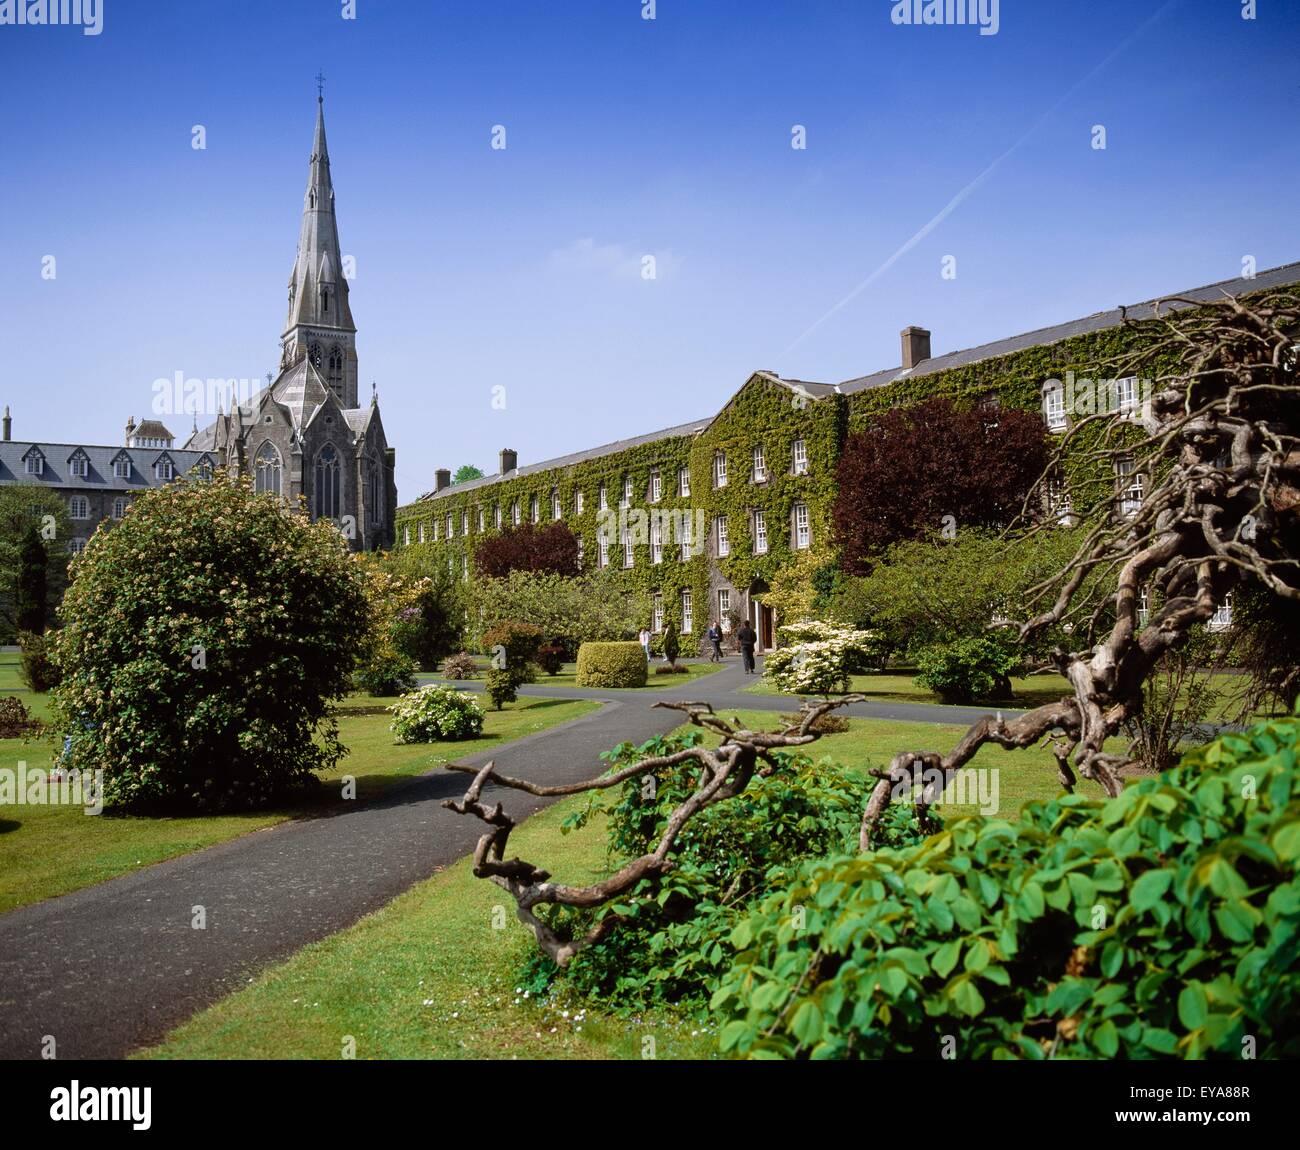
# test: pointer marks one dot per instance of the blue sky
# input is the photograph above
(625, 137)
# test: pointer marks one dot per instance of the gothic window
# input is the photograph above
(374, 493)
(324, 300)
(311, 198)
(328, 476)
(314, 352)
(267, 475)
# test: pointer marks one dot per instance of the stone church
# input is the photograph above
(307, 434)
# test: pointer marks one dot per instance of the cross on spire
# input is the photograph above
(320, 87)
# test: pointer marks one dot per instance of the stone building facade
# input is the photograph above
(99, 483)
(755, 483)
(307, 436)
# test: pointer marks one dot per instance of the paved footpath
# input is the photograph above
(114, 967)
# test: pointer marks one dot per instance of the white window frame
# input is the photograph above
(602, 499)
(657, 621)
(760, 533)
(656, 540)
(34, 464)
(799, 457)
(627, 491)
(724, 609)
(1054, 408)
(79, 503)
(719, 469)
(406, 534)
(723, 536)
(577, 502)
(534, 509)
(496, 517)
(629, 558)
(802, 527)
(80, 467)
(464, 522)
(602, 540)
(1126, 395)
(420, 532)
(516, 514)
(119, 508)
(451, 526)
(688, 613)
(557, 508)
(1132, 492)
(758, 472)
(684, 482)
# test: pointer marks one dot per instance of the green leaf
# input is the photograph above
(967, 998)
(807, 1023)
(945, 958)
(1193, 1006)
(1150, 888)
(1105, 1039)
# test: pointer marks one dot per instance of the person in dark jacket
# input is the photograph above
(747, 637)
(714, 636)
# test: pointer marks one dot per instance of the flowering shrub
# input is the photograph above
(433, 713)
(818, 658)
(207, 636)
(460, 666)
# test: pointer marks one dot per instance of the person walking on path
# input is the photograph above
(715, 637)
(644, 637)
(747, 637)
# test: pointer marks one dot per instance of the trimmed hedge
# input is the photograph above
(611, 665)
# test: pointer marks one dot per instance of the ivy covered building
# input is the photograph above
(703, 515)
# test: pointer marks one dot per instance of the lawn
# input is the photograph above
(428, 977)
(1028, 692)
(568, 675)
(50, 850)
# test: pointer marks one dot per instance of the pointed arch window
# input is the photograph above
(267, 473)
(328, 483)
(375, 493)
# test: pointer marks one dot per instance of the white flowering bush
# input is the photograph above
(816, 658)
(436, 713)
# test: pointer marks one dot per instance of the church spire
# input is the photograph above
(318, 290)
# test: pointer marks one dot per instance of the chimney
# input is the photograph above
(916, 346)
(130, 427)
(441, 479)
(509, 460)
(8, 424)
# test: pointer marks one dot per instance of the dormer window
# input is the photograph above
(163, 469)
(34, 462)
(79, 465)
(122, 466)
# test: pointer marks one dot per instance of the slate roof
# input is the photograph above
(58, 474)
(577, 457)
(1273, 277)
(152, 429)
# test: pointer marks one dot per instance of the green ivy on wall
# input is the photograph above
(767, 413)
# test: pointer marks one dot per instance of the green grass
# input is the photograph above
(51, 850)
(427, 976)
(11, 683)
(1028, 692)
(1031, 691)
(568, 676)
